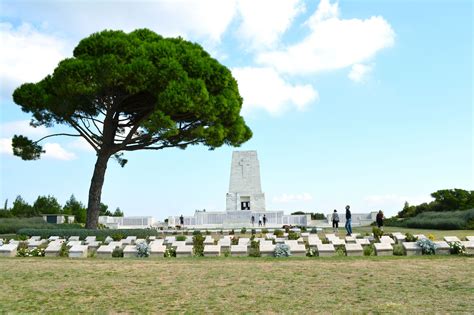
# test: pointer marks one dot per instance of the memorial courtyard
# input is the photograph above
(426, 284)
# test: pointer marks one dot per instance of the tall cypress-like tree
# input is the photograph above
(138, 91)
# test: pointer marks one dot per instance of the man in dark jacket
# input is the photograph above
(348, 225)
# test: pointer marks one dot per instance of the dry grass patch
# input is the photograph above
(239, 285)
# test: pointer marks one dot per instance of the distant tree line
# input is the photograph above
(50, 205)
(445, 200)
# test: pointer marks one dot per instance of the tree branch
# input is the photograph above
(58, 134)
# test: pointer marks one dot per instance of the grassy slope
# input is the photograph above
(236, 285)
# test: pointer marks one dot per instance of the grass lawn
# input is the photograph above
(438, 284)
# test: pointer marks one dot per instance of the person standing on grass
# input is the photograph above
(259, 220)
(253, 220)
(348, 225)
(335, 221)
(264, 220)
(379, 219)
(181, 220)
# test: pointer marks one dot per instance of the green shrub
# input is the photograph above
(293, 235)
(180, 238)
(117, 236)
(234, 240)
(232, 232)
(170, 252)
(208, 232)
(197, 232)
(254, 231)
(198, 245)
(243, 230)
(377, 233)
(254, 250)
(369, 250)
(226, 252)
(398, 250)
(314, 231)
(282, 250)
(64, 250)
(303, 229)
(264, 230)
(457, 248)
(340, 250)
(410, 237)
(221, 232)
(278, 233)
(117, 252)
(450, 220)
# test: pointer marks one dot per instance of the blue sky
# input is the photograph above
(367, 103)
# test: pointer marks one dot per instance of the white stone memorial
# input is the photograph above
(78, 251)
(238, 250)
(469, 245)
(212, 250)
(412, 248)
(296, 248)
(8, 250)
(451, 239)
(470, 238)
(354, 249)
(383, 249)
(130, 251)
(325, 250)
(184, 251)
(442, 248)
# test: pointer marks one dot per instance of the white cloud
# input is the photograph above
(56, 151)
(80, 144)
(264, 88)
(264, 21)
(27, 55)
(21, 127)
(6, 146)
(204, 19)
(333, 43)
(359, 72)
(285, 198)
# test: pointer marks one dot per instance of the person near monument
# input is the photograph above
(335, 221)
(264, 220)
(253, 220)
(260, 220)
(181, 220)
(348, 225)
(379, 219)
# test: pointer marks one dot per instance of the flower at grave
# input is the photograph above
(456, 248)
(427, 246)
(143, 250)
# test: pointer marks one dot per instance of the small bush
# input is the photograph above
(170, 252)
(378, 233)
(340, 250)
(197, 232)
(303, 229)
(143, 250)
(410, 237)
(117, 236)
(64, 251)
(457, 248)
(254, 249)
(208, 232)
(117, 252)
(198, 245)
(293, 235)
(311, 252)
(264, 230)
(226, 252)
(234, 240)
(180, 238)
(431, 237)
(221, 232)
(282, 250)
(243, 230)
(254, 231)
(369, 250)
(232, 232)
(427, 247)
(278, 233)
(398, 250)
(314, 231)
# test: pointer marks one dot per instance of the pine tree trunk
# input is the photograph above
(95, 191)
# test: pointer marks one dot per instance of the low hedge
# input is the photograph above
(82, 233)
(452, 220)
(12, 225)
